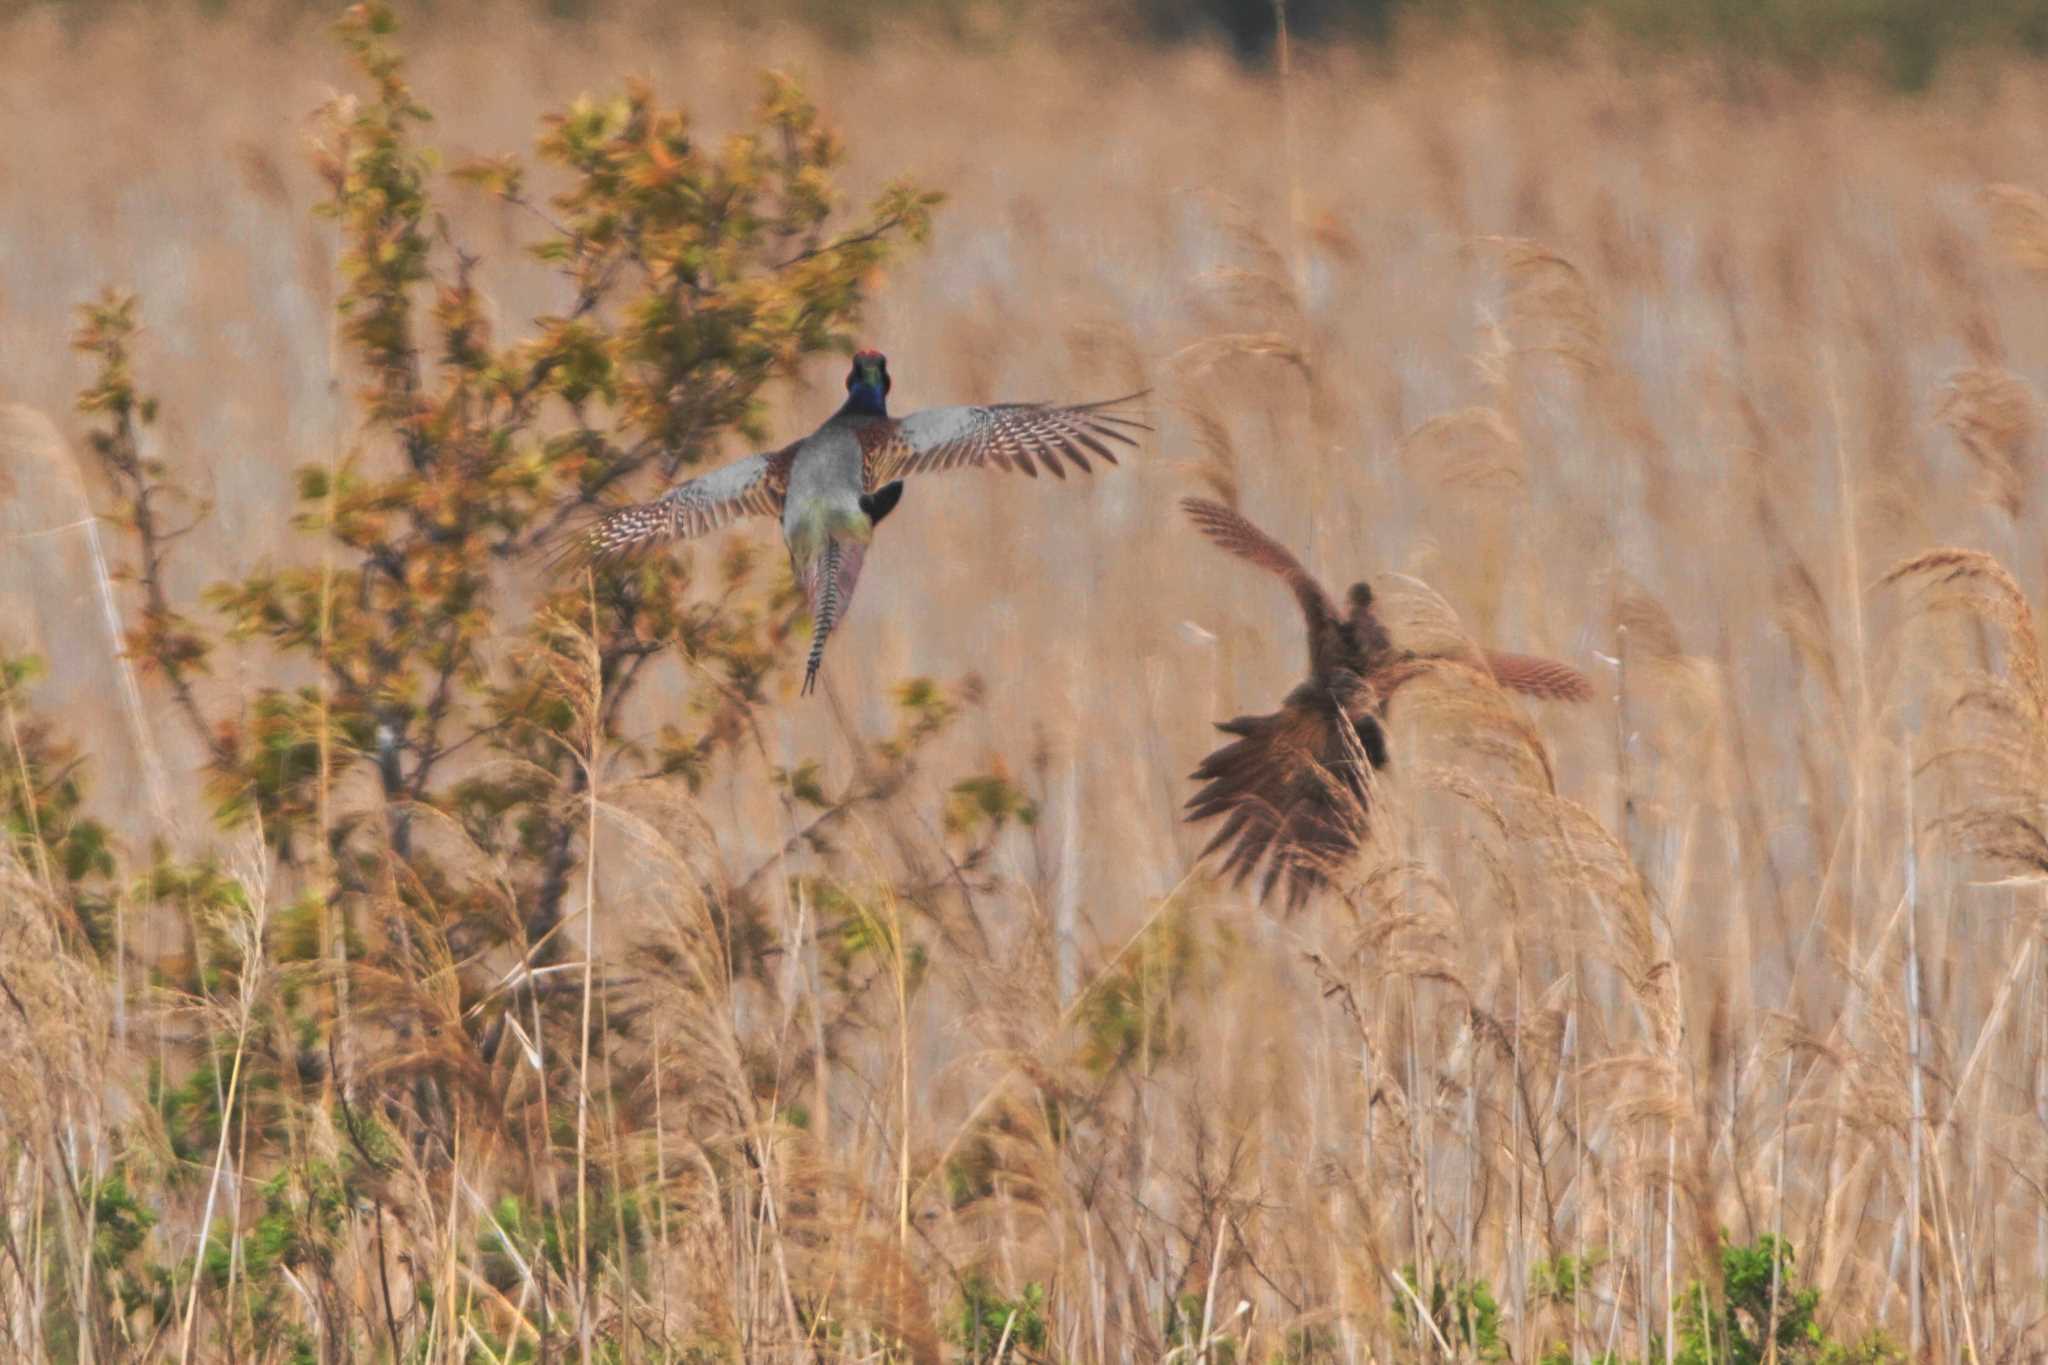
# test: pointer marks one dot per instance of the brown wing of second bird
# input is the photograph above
(1330, 644)
(1294, 786)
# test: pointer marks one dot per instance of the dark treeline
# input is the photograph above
(1901, 42)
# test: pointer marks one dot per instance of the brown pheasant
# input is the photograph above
(1293, 787)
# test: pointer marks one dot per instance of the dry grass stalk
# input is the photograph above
(2019, 220)
(1996, 417)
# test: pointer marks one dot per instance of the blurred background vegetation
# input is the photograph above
(1901, 42)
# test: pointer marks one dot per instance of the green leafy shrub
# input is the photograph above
(425, 719)
(1741, 1331)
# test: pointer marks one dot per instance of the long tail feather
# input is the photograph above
(830, 585)
(824, 614)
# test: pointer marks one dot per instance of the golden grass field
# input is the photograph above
(1655, 367)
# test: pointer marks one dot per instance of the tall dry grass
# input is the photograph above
(1632, 367)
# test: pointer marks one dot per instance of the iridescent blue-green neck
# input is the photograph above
(865, 400)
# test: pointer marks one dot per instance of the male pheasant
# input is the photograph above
(1293, 786)
(833, 487)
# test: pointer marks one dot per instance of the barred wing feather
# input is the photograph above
(1231, 531)
(755, 486)
(1026, 437)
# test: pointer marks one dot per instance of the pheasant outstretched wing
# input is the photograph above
(1026, 437)
(755, 486)
(1232, 531)
(1293, 789)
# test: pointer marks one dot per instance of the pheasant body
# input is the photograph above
(1294, 787)
(827, 531)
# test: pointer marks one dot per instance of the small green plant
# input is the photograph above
(1463, 1310)
(987, 1320)
(42, 815)
(1184, 1330)
(1562, 1278)
(1309, 1346)
(1128, 1016)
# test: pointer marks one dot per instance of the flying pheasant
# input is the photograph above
(833, 487)
(1293, 786)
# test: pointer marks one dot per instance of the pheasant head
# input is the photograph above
(1367, 633)
(867, 383)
